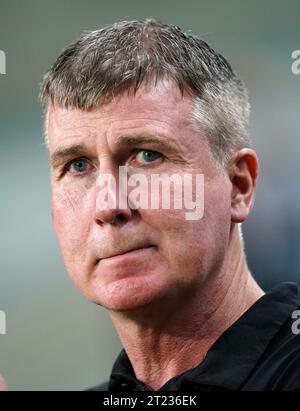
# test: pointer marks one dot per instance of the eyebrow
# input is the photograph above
(62, 154)
(158, 141)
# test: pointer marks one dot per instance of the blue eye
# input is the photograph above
(147, 156)
(79, 166)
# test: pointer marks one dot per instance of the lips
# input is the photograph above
(123, 251)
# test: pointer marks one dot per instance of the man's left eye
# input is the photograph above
(147, 156)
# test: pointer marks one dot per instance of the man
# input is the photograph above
(149, 99)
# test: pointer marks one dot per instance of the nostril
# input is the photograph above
(116, 219)
(120, 218)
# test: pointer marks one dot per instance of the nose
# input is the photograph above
(111, 202)
(113, 216)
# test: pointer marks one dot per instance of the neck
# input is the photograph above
(162, 342)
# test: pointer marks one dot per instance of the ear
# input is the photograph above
(243, 171)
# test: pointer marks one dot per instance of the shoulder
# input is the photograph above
(287, 356)
(278, 369)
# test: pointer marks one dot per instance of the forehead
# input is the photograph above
(153, 110)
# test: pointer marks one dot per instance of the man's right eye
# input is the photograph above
(79, 167)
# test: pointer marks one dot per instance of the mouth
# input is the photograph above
(128, 252)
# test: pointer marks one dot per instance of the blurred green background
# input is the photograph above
(56, 340)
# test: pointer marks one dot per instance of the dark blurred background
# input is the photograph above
(55, 339)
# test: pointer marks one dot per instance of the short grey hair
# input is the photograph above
(110, 61)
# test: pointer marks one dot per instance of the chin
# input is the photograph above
(129, 294)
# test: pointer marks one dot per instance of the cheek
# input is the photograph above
(70, 218)
(194, 244)
(216, 221)
(218, 207)
(176, 237)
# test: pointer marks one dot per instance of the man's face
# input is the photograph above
(173, 256)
